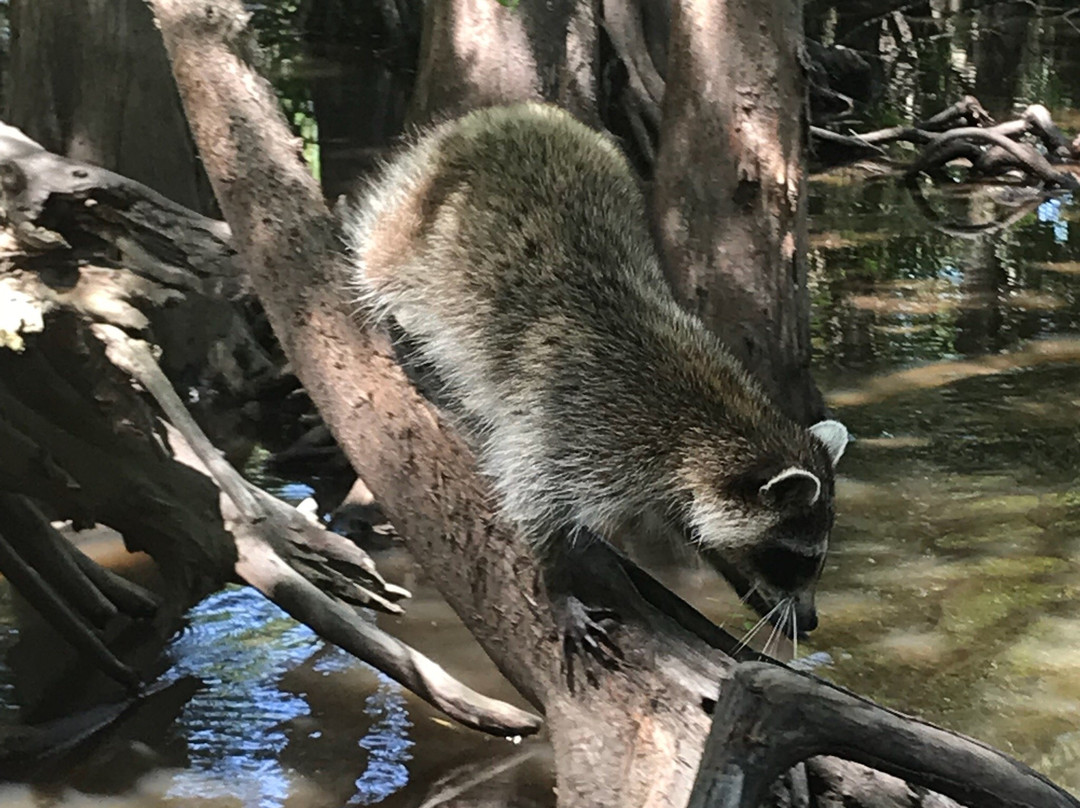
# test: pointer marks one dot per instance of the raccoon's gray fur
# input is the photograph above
(512, 249)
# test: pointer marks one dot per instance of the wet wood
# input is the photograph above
(68, 622)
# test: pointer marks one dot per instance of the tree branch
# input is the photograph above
(770, 717)
(267, 535)
(68, 623)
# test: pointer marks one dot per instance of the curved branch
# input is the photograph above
(965, 229)
(266, 531)
(770, 717)
(342, 626)
(1026, 157)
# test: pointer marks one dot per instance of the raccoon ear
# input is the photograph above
(791, 487)
(834, 435)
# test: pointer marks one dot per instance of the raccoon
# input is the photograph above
(511, 248)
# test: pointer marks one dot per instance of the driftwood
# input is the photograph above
(311, 573)
(77, 437)
(769, 718)
(635, 735)
(964, 130)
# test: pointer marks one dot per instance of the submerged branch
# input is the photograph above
(52, 605)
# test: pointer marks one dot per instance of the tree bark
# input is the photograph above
(476, 53)
(733, 235)
(102, 93)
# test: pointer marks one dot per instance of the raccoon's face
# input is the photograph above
(767, 530)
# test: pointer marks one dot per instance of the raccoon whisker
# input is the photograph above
(757, 627)
(746, 598)
(772, 635)
(778, 631)
(794, 632)
(748, 636)
(780, 628)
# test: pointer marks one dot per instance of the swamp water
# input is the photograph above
(953, 585)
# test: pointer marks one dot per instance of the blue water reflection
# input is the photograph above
(388, 744)
(241, 645)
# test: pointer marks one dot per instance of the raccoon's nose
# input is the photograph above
(806, 613)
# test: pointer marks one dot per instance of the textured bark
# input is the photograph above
(101, 92)
(729, 198)
(478, 52)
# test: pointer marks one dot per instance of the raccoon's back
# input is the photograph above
(501, 233)
(511, 247)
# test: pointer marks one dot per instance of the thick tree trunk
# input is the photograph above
(478, 52)
(729, 197)
(95, 86)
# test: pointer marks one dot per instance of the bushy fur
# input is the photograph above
(512, 249)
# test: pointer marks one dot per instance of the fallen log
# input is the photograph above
(78, 438)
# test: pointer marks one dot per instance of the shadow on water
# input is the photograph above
(952, 589)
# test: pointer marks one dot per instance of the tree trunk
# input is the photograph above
(730, 207)
(478, 52)
(94, 85)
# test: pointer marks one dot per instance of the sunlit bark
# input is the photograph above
(729, 196)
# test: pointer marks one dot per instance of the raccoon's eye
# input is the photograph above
(787, 570)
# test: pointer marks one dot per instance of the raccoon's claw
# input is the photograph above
(585, 635)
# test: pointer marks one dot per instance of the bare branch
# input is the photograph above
(268, 533)
(770, 717)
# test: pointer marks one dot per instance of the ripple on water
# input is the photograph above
(241, 645)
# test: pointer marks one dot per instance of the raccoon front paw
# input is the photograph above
(586, 636)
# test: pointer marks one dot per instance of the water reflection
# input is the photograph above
(240, 645)
(387, 744)
(883, 298)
